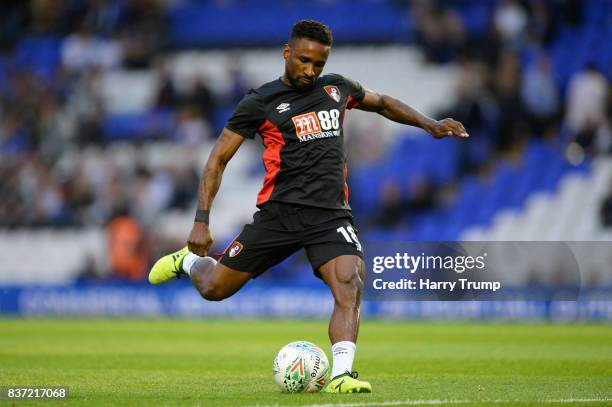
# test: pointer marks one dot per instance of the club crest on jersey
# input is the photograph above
(235, 248)
(333, 92)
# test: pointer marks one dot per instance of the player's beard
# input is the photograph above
(295, 83)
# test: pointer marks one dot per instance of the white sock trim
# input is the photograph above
(343, 354)
(188, 261)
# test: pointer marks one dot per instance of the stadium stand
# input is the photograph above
(84, 139)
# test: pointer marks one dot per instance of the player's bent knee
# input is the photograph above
(221, 283)
(214, 292)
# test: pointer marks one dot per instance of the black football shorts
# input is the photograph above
(278, 230)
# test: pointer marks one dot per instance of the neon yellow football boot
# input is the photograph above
(168, 267)
(347, 383)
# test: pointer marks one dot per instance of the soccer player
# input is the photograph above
(304, 199)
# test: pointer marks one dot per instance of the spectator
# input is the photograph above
(49, 17)
(391, 205)
(474, 105)
(12, 208)
(422, 196)
(14, 21)
(152, 193)
(49, 206)
(143, 32)
(85, 104)
(440, 30)
(476, 108)
(166, 96)
(83, 50)
(129, 252)
(511, 22)
(79, 196)
(541, 28)
(396, 206)
(104, 16)
(55, 127)
(604, 134)
(186, 187)
(240, 85)
(606, 209)
(13, 138)
(586, 104)
(191, 128)
(506, 86)
(200, 97)
(540, 96)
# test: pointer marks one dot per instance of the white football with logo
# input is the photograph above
(301, 367)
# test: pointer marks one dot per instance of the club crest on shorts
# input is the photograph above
(235, 248)
(333, 92)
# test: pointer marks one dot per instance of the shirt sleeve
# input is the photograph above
(248, 116)
(355, 93)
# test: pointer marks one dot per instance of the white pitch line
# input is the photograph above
(439, 402)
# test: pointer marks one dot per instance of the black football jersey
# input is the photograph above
(302, 132)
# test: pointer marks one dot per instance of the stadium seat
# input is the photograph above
(41, 54)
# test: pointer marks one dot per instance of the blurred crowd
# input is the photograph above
(506, 93)
(47, 118)
(507, 89)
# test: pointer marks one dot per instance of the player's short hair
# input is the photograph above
(312, 30)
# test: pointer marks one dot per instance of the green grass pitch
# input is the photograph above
(229, 363)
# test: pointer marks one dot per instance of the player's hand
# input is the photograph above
(200, 239)
(448, 127)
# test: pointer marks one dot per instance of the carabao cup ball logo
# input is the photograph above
(301, 367)
(295, 375)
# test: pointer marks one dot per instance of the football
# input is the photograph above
(301, 367)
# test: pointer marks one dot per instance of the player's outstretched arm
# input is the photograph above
(200, 238)
(400, 112)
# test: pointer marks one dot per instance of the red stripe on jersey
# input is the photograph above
(351, 102)
(346, 189)
(274, 142)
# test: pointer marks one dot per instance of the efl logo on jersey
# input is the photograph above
(306, 124)
(333, 92)
(235, 249)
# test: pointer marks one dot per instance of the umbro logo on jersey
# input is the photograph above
(283, 107)
(333, 92)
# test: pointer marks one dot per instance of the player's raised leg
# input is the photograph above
(213, 280)
(344, 276)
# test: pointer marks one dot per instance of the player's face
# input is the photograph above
(304, 62)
